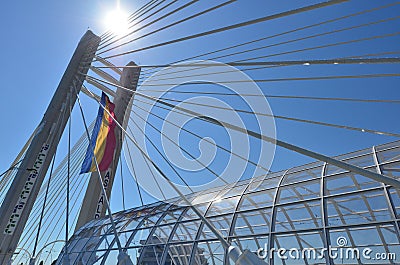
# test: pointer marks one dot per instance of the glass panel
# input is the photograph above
(121, 224)
(162, 232)
(207, 197)
(103, 221)
(391, 170)
(252, 223)
(251, 243)
(395, 196)
(144, 211)
(152, 220)
(305, 215)
(89, 257)
(300, 191)
(74, 243)
(358, 208)
(97, 257)
(134, 254)
(379, 239)
(117, 219)
(191, 215)
(361, 161)
(176, 201)
(106, 242)
(389, 145)
(127, 218)
(299, 248)
(256, 200)
(255, 244)
(172, 216)
(223, 206)
(133, 223)
(222, 223)
(179, 254)
(85, 244)
(79, 241)
(265, 184)
(162, 207)
(392, 154)
(186, 231)
(140, 237)
(236, 190)
(146, 224)
(79, 251)
(103, 229)
(124, 237)
(86, 232)
(111, 258)
(312, 173)
(348, 182)
(209, 253)
(306, 167)
(364, 160)
(152, 255)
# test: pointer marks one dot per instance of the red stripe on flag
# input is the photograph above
(110, 142)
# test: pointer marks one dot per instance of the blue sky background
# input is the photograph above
(39, 39)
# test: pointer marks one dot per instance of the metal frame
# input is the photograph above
(324, 228)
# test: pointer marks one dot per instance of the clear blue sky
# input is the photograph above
(39, 39)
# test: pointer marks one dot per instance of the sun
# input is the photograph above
(117, 21)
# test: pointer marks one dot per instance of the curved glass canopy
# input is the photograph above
(303, 211)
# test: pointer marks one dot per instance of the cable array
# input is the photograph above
(334, 54)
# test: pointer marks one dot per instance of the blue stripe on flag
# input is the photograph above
(87, 163)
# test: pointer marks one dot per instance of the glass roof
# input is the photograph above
(307, 207)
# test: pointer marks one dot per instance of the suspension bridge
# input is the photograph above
(181, 139)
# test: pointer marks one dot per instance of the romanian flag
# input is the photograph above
(102, 143)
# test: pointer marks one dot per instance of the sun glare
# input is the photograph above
(117, 22)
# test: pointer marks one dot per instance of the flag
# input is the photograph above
(102, 142)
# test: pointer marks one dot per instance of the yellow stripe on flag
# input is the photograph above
(101, 138)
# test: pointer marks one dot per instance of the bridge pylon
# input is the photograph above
(25, 187)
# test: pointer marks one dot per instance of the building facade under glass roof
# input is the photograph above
(316, 207)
